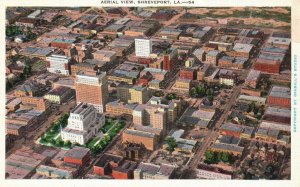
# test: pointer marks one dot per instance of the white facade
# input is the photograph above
(59, 64)
(227, 81)
(204, 174)
(143, 47)
(84, 123)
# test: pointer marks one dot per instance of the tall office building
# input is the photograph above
(169, 58)
(143, 47)
(92, 88)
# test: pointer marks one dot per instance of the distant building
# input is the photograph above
(226, 77)
(143, 47)
(210, 172)
(22, 163)
(104, 55)
(158, 74)
(280, 96)
(202, 72)
(212, 57)
(30, 88)
(145, 135)
(92, 89)
(169, 59)
(199, 54)
(241, 50)
(183, 84)
(266, 134)
(63, 43)
(277, 115)
(152, 171)
(77, 155)
(185, 145)
(120, 108)
(84, 123)
(27, 22)
(133, 94)
(58, 64)
(59, 95)
(54, 173)
(187, 73)
(252, 78)
(115, 166)
(235, 130)
(35, 103)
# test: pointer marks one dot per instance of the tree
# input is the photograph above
(208, 92)
(171, 144)
(260, 110)
(210, 157)
(52, 141)
(9, 85)
(27, 71)
(67, 144)
(200, 90)
(210, 98)
(224, 157)
(252, 106)
(193, 92)
(59, 142)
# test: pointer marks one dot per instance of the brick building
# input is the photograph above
(280, 96)
(148, 139)
(36, 103)
(188, 73)
(212, 57)
(92, 89)
(77, 155)
(115, 166)
(63, 43)
(119, 108)
(252, 78)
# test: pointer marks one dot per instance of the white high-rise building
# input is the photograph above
(84, 123)
(58, 64)
(143, 47)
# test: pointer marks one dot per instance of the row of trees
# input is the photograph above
(212, 157)
(201, 91)
(171, 96)
(27, 72)
(101, 145)
(14, 30)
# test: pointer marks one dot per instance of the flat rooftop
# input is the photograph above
(139, 133)
(253, 75)
(245, 48)
(77, 152)
(107, 158)
(281, 92)
(231, 127)
(153, 169)
(59, 90)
